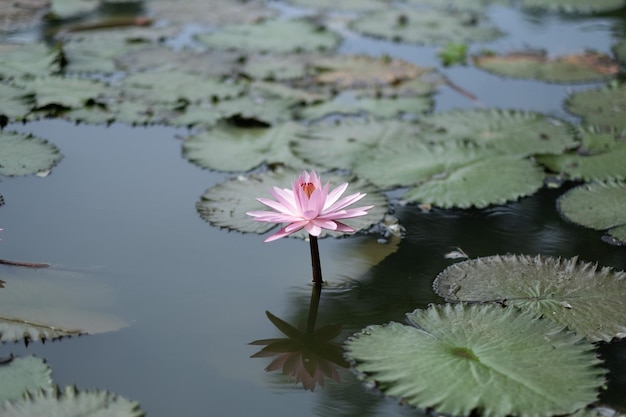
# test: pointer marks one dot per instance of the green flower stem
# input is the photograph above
(315, 261)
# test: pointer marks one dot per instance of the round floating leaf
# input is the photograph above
(575, 6)
(33, 60)
(64, 9)
(586, 67)
(64, 92)
(20, 375)
(225, 205)
(22, 154)
(72, 403)
(599, 205)
(277, 36)
(470, 5)
(222, 11)
(97, 54)
(16, 103)
(486, 359)
(350, 5)
(17, 330)
(588, 300)
(228, 148)
(426, 26)
(489, 181)
(378, 107)
(603, 107)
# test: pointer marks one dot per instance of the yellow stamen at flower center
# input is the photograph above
(308, 188)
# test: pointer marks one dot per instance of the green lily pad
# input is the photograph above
(469, 5)
(33, 60)
(223, 12)
(64, 92)
(18, 330)
(258, 107)
(575, 6)
(487, 359)
(229, 148)
(589, 300)
(604, 107)
(426, 26)
(22, 154)
(586, 67)
(475, 185)
(64, 9)
(619, 49)
(346, 5)
(598, 205)
(16, 103)
(98, 54)
(601, 157)
(72, 403)
(225, 205)
(277, 67)
(276, 36)
(21, 375)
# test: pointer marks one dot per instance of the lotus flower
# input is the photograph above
(309, 205)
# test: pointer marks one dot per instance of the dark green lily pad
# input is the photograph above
(603, 107)
(600, 157)
(575, 6)
(586, 67)
(225, 205)
(587, 299)
(22, 154)
(229, 148)
(457, 360)
(21, 375)
(71, 403)
(598, 205)
(426, 26)
(277, 36)
(619, 49)
(475, 185)
(33, 60)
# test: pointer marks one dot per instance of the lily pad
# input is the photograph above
(486, 359)
(72, 403)
(33, 60)
(223, 12)
(470, 5)
(64, 9)
(475, 185)
(276, 36)
(22, 154)
(575, 6)
(64, 92)
(16, 103)
(21, 375)
(589, 300)
(586, 67)
(345, 5)
(426, 26)
(619, 49)
(604, 107)
(225, 205)
(18, 330)
(598, 205)
(98, 54)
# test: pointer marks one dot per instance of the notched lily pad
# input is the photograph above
(575, 6)
(484, 359)
(598, 205)
(33, 60)
(603, 107)
(17, 330)
(22, 154)
(426, 26)
(589, 300)
(274, 36)
(225, 205)
(21, 375)
(71, 402)
(586, 67)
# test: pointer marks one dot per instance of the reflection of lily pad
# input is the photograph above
(278, 36)
(25, 154)
(71, 402)
(481, 358)
(21, 375)
(575, 6)
(225, 205)
(585, 67)
(599, 205)
(588, 300)
(475, 185)
(426, 26)
(604, 107)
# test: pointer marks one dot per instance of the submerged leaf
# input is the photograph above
(598, 205)
(25, 154)
(20, 375)
(588, 300)
(481, 358)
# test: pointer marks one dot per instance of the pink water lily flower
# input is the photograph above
(309, 205)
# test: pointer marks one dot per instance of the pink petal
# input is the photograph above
(278, 235)
(344, 202)
(286, 197)
(295, 226)
(335, 194)
(275, 205)
(325, 224)
(341, 227)
(313, 229)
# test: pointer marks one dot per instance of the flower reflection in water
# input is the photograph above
(307, 355)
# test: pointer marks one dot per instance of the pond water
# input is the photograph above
(184, 299)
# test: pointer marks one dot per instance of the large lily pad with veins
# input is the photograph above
(582, 296)
(32, 60)
(597, 205)
(19, 375)
(22, 154)
(586, 67)
(426, 26)
(225, 205)
(604, 107)
(458, 359)
(575, 6)
(278, 36)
